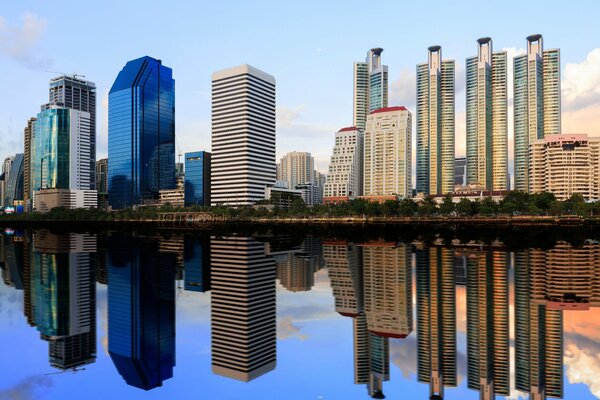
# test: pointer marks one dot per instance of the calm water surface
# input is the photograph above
(110, 315)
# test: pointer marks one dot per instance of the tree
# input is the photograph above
(373, 209)
(542, 200)
(390, 208)
(298, 207)
(447, 207)
(464, 207)
(515, 202)
(575, 204)
(488, 206)
(407, 207)
(428, 207)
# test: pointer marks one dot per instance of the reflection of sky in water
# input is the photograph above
(314, 355)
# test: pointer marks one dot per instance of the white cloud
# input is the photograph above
(583, 367)
(286, 116)
(20, 42)
(30, 387)
(286, 329)
(581, 95)
(581, 83)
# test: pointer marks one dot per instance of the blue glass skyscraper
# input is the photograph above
(197, 178)
(141, 133)
(14, 186)
(141, 310)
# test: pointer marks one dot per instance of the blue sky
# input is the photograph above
(308, 46)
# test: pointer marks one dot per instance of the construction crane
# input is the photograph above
(74, 75)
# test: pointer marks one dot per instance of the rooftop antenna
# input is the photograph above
(73, 75)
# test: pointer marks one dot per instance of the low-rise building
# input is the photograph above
(46, 199)
(565, 164)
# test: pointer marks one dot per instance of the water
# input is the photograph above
(278, 314)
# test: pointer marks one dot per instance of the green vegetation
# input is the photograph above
(514, 204)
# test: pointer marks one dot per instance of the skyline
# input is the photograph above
(313, 68)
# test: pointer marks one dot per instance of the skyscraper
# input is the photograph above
(345, 178)
(538, 335)
(141, 310)
(370, 86)
(6, 166)
(487, 123)
(197, 179)
(196, 263)
(27, 142)
(243, 326)
(64, 286)
(141, 133)
(295, 168)
(14, 183)
(436, 319)
(78, 94)
(60, 157)
(243, 135)
(488, 323)
(388, 289)
(435, 124)
(388, 153)
(536, 102)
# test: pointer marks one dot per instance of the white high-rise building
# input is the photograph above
(387, 153)
(243, 135)
(370, 86)
(344, 180)
(564, 165)
(536, 102)
(295, 168)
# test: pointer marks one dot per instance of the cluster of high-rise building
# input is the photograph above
(371, 159)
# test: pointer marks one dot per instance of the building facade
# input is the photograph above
(564, 165)
(78, 94)
(243, 312)
(435, 124)
(243, 135)
(61, 150)
(345, 178)
(197, 178)
(141, 133)
(487, 122)
(296, 168)
(460, 171)
(6, 166)
(14, 183)
(27, 142)
(536, 103)
(370, 86)
(388, 153)
(102, 182)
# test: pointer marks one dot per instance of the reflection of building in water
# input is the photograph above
(344, 267)
(487, 323)
(296, 267)
(388, 289)
(141, 310)
(436, 319)
(539, 336)
(65, 296)
(566, 277)
(243, 311)
(173, 245)
(196, 262)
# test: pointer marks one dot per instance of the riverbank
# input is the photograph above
(207, 219)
